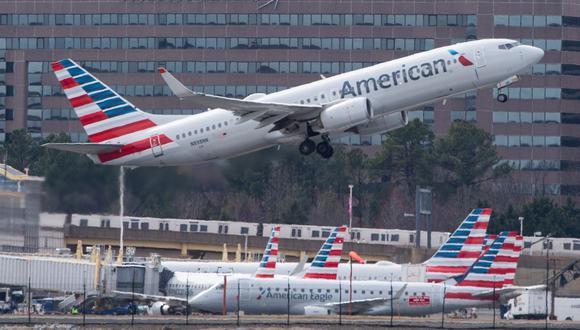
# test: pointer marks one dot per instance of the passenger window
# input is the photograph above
(207, 128)
(212, 126)
(189, 133)
(220, 125)
(195, 132)
(225, 123)
(201, 130)
(183, 135)
(177, 137)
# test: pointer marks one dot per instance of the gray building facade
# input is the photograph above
(236, 48)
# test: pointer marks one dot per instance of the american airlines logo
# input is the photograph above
(395, 78)
(268, 294)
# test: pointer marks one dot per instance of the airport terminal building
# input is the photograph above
(236, 48)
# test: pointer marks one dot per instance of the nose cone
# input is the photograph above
(532, 55)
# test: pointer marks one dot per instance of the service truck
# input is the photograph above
(532, 305)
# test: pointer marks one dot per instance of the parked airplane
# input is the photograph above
(453, 258)
(481, 285)
(365, 101)
(182, 286)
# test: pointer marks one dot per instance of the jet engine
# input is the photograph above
(346, 114)
(159, 308)
(382, 124)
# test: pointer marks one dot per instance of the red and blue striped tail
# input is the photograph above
(509, 256)
(106, 116)
(490, 269)
(325, 264)
(461, 250)
(267, 267)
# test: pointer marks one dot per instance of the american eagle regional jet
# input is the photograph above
(365, 101)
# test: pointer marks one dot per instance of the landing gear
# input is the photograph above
(307, 147)
(324, 149)
(502, 98)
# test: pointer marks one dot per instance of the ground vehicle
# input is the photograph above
(106, 306)
(532, 305)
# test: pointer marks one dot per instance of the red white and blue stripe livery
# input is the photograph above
(267, 266)
(461, 250)
(325, 264)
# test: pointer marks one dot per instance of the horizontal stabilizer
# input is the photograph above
(84, 148)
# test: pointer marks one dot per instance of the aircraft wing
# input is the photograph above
(364, 305)
(84, 148)
(148, 297)
(358, 306)
(510, 291)
(265, 112)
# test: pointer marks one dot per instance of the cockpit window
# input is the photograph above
(509, 45)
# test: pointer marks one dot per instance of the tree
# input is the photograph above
(73, 183)
(406, 156)
(466, 158)
(21, 149)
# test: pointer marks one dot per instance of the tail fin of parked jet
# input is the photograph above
(267, 266)
(508, 257)
(491, 276)
(488, 271)
(462, 248)
(104, 114)
(325, 264)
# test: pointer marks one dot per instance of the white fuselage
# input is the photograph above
(269, 296)
(397, 85)
(381, 272)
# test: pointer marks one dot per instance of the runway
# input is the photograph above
(272, 321)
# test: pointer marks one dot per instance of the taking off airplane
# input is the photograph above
(365, 101)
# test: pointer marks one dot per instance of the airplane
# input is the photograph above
(183, 285)
(367, 101)
(452, 258)
(481, 285)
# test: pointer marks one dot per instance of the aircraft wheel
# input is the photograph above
(307, 147)
(502, 98)
(325, 150)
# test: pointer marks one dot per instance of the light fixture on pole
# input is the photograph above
(350, 186)
(521, 219)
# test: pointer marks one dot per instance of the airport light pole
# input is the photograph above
(350, 186)
(521, 219)
(121, 211)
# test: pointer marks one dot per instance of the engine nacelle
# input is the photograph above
(346, 114)
(382, 124)
(159, 308)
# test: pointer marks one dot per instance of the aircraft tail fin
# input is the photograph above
(490, 270)
(325, 264)
(103, 113)
(462, 248)
(508, 257)
(267, 267)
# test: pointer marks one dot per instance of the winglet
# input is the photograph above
(175, 85)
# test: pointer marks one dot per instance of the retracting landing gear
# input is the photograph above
(307, 147)
(324, 149)
(501, 97)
